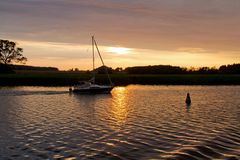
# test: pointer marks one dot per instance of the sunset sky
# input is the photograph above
(129, 33)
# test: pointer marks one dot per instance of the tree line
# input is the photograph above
(168, 69)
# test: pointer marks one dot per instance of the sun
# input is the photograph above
(118, 50)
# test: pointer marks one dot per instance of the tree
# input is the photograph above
(118, 69)
(103, 70)
(76, 70)
(9, 52)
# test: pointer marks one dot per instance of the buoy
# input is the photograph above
(188, 99)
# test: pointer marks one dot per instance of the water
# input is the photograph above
(134, 122)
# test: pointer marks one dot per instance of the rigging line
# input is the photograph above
(102, 61)
(93, 60)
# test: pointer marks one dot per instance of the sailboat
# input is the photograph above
(90, 86)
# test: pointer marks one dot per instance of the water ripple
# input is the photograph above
(135, 122)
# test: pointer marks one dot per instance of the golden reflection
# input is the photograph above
(119, 108)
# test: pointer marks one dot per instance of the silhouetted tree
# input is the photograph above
(158, 69)
(10, 52)
(102, 70)
(118, 69)
(203, 70)
(213, 70)
(76, 70)
(232, 69)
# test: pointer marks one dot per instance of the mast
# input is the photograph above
(93, 60)
(102, 61)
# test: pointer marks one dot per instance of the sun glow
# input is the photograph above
(118, 50)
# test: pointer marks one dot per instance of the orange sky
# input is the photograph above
(176, 32)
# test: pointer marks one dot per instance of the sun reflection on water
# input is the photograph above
(119, 109)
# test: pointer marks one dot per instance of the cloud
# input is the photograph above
(162, 25)
(192, 50)
(153, 24)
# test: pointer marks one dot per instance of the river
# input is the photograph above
(133, 122)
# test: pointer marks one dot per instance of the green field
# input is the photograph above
(71, 78)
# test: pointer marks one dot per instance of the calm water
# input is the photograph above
(134, 122)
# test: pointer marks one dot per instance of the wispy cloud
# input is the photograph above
(202, 26)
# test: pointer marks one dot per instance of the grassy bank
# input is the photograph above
(70, 78)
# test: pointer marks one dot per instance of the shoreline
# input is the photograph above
(121, 79)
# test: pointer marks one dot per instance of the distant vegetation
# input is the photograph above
(10, 69)
(167, 69)
(166, 75)
(32, 68)
(231, 69)
(158, 69)
(102, 70)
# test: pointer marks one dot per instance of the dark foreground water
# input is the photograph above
(134, 122)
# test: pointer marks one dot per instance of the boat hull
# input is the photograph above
(105, 90)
